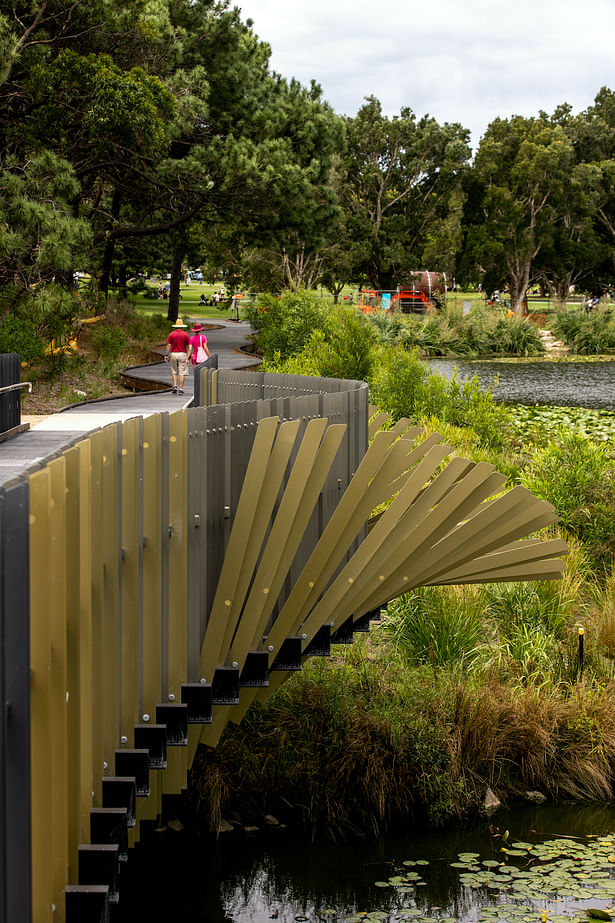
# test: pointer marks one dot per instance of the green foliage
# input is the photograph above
(19, 335)
(482, 333)
(342, 749)
(401, 186)
(109, 341)
(345, 350)
(577, 476)
(406, 387)
(433, 626)
(38, 233)
(284, 325)
(587, 334)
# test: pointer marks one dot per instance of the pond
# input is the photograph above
(251, 879)
(528, 381)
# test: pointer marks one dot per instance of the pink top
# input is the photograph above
(199, 339)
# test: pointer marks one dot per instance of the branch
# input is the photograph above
(120, 233)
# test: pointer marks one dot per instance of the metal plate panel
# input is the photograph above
(15, 803)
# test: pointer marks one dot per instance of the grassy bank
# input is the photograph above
(457, 689)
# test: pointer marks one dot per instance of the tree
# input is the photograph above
(403, 181)
(169, 118)
(523, 168)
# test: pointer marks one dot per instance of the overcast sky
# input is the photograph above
(458, 60)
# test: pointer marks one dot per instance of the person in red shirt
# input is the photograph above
(180, 349)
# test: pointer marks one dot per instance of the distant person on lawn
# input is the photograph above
(180, 348)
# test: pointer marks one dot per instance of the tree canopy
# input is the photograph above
(155, 131)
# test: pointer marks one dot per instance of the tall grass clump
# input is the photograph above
(577, 476)
(484, 332)
(443, 627)
(587, 334)
(337, 752)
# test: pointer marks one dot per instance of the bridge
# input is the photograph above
(162, 569)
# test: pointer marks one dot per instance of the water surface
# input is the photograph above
(252, 879)
(529, 381)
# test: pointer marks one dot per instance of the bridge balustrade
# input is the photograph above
(162, 574)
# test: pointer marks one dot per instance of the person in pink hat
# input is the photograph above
(198, 341)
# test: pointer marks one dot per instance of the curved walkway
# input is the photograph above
(55, 433)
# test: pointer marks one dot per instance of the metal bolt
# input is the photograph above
(105, 766)
(146, 718)
(123, 739)
(235, 664)
(171, 697)
(203, 680)
(270, 648)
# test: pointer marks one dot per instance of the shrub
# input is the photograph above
(577, 476)
(587, 334)
(406, 387)
(347, 348)
(341, 348)
(284, 325)
(19, 335)
(108, 341)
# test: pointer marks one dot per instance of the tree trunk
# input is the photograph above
(122, 288)
(176, 274)
(519, 276)
(335, 290)
(107, 260)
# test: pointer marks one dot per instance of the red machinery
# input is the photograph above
(425, 289)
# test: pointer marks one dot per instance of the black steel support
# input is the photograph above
(153, 737)
(320, 645)
(134, 763)
(197, 696)
(289, 655)
(343, 635)
(120, 792)
(15, 805)
(225, 686)
(110, 825)
(175, 716)
(87, 903)
(255, 670)
(98, 865)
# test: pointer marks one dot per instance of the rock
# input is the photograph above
(224, 827)
(251, 829)
(175, 825)
(536, 797)
(271, 820)
(491, 802)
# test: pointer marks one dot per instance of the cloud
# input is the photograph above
(468, 62)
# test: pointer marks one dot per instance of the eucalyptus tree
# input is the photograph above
(523, 172)
(403, 182)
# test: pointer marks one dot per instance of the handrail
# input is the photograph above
(18, 386)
